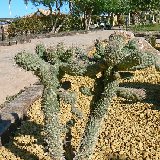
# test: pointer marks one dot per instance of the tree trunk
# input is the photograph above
(87, 19)
(71, 7)
(54, 26)
(56, 20)
(129, 19)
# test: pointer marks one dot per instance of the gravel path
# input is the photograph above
(13, 78)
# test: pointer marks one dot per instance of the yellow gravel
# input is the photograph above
(130, 130)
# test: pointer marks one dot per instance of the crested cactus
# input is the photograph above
(50, 65)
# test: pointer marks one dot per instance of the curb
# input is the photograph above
(15, 111)
(27, 39)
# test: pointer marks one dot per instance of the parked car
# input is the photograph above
(4, 22)
(105, 26)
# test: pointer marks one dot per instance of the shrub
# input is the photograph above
(42, 24)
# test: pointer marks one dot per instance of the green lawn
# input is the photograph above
(148, 27)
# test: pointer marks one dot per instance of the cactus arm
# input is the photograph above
(86, 91)
(96, 119)
(48, 75)
(114, 53)
(79, 68)
(138, 57)
(75, 62)
(29, 62)
(51, 108)
(131, 93)
(40, 50)
(52, 125)
(136, 60)
(70, 98)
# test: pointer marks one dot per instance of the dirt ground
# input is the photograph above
(13, 78)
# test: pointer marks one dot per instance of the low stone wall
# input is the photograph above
(12, 113)
(27, 38)
(143, 34)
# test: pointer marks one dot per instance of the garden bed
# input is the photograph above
(27, 39)
(144, 33)
(130, 130)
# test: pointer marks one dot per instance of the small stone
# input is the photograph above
(140, 145)
(141, 115)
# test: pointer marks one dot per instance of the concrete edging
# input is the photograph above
(12, 113)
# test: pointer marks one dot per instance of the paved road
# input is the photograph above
(13, 78)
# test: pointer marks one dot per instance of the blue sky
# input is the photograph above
(18, 8)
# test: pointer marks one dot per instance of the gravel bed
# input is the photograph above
(130, 130)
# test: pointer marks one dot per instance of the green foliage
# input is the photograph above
(40, 50)
(67, 97)
(145, 5)
(48, 3)
(42, 24)
(72, 23)
(94, 5)
(87, 8)
(34, 24)
(118, 6)
(126, 6)
(147, 27)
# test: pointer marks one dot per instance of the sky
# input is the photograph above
(18, 8)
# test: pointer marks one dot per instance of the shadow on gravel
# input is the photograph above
(22, 146)
(152, 92)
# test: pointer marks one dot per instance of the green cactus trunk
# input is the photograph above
(48, 75)
(52, 124)
(96, 119)
(51, 108)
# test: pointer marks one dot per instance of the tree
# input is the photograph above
(117, 6)
(138, 8)
(87, 8)
(145, 5)
(49, 4)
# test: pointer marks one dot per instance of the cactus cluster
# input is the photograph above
(51, 64)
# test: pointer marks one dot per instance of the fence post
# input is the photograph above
(3, 35)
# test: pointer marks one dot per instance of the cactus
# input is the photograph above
(131, 93)
(50, 65)
(48, 75)
(119, 54)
